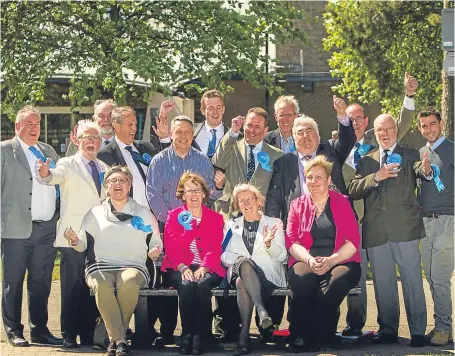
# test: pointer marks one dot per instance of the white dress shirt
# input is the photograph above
(138, 182)
(256, 150)
(205, 135)
(350, 159)
(381, 152)
(43, 196)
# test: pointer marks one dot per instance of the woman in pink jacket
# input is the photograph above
(193, 235)
(323, 240)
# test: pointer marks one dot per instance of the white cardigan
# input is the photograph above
(270, 260)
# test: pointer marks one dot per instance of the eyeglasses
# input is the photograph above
(89, 137)
(121, 181)
(357, 119)
(287, 116)
(383, 130)
(193, 191)
(247, 200)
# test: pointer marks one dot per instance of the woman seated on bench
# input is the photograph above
(254, 256)
(192, 238)
(323, 240)
(116, 233)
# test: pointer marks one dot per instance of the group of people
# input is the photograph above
(204, 205)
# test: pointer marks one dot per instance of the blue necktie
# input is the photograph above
(137, 158)
(356, 155)
(251, 163)
(385, 155)
(43, 158)
(212, 144)
(95, 176)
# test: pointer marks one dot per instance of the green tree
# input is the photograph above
(375, 42)
(163, 43)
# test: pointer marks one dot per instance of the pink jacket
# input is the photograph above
(208, 236)
(301, 217)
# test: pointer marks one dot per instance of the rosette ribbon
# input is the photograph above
(138, 224)
(364, 149)
(147, 159)
(394, 158)
(436, 173)
(264, 161)
(185, 219)
(102, 178)
(292, 147)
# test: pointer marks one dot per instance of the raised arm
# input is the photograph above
(225, 150)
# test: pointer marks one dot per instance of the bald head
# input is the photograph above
(385, 130)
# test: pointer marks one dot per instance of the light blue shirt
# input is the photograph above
(437, 143)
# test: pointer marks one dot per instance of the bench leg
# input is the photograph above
(140, 339)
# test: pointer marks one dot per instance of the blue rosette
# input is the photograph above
(102, 178)
(292, 147)
(394, 158)
(147, 158)
(436, 173)
(264, 160)
(185, 219)
(364, 149)
(138, 224)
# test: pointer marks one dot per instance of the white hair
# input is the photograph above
(84, 125)
(302, 120)
(28, 109)
(287, 100)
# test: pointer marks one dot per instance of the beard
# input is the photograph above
(107, 131)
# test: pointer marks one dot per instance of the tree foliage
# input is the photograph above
(163, 43)
(375, 42)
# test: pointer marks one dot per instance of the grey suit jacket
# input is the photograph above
(17, 183)
(404, 124)
(231, 157)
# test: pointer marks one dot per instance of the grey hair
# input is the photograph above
(287, 100)
(118, 169)
(27, 109)
(301, 120)
(245, 187)
(102, 101)
(181, 118)
(84, 125)
(120, 112)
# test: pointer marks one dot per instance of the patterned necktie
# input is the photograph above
(137, 158)
(106, 142)
(356, 155)
(212, 144)
(251, 163)
(307, 157)
(385, 155)
(43, 158)
(95, 176)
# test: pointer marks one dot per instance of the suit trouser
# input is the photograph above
(357, 304)
(35, 254)
(438, 263)
(383, 259)
(79, 310)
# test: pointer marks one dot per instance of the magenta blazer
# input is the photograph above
(208, 236)
(301, 216)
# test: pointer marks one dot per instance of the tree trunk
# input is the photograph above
(447, 108)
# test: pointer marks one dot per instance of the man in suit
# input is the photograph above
(286, 111)
(288, 181)
(247, 160)
(29, 213)
(208, 134)
(136, 155)
(79, 178)
(366, 142)
(437, 205)
(102, 115)
(391, 230)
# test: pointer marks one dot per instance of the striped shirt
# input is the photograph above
(193, 248)
(164, 173)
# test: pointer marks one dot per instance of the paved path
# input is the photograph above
(258, 349)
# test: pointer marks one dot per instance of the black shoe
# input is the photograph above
(162, 341)
(198, 345)
(86, 342)
(47, 339)
(186, 344)
(417, 341)
(69, 344)
(111, 349)
(18, 340)
(349, 331)
(239, 350)
(122, 349)
(381, 338)
(129, 334)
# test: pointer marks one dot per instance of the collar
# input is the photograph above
(391, 149)
(122, 145)
(361, 141)
(437, 143)
(23, 144)
(287, 140)
(173, 153)
(301, 155)
(109, 140)
(219, 128)
(257, 148)
(83, 159)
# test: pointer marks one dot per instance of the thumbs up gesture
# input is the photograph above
(426, 164)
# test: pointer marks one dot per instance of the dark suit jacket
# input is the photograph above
(285, 184)
(111, 154)
(392, 211)
(273, 138)
(197, 130)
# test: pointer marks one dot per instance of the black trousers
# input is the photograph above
(35, 254)
(227, 317)
(275, 308)
(195, 301)
(79, 310)
(315, 299)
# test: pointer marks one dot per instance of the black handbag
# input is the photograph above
(100, 337)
